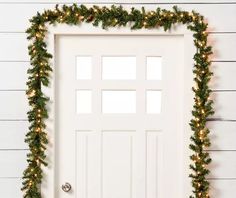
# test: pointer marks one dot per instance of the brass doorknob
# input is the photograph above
(66, 187)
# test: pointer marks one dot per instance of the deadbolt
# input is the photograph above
(66, 187)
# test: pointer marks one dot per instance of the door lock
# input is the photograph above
(66, 187)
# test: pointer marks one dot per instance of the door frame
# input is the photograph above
(48, 183)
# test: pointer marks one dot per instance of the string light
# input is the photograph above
(201, 132)
(32, 93)
(61, 19)
(204, 33)
(38, 35)
(200, 43)
(41, 27)
(165, 19)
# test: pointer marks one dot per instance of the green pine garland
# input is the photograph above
(39, 75)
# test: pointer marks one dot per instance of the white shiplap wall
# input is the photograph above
(14, 61)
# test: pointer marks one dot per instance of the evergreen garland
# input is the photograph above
(115, 16)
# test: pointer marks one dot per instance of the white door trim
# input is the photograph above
(47, 187)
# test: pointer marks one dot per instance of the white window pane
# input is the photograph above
(153, 68)
(119, 101)
(153, 101)
(118, 68)
(83, 67)
(84, 101)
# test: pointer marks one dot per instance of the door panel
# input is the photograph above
(119, 117)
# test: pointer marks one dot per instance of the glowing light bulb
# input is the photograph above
(201, 132)
(32, 93)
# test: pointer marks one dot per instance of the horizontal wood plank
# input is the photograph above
(223, 135)
(224, 76)
(223, 164)
(10, 188)
(224, 105)
(223, 188)
(224, 46)
(14, 47)
(13, 163)
(12, 134)
(13, 105)
(20, 20)
(13, 75)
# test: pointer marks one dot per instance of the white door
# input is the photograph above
(119, 118)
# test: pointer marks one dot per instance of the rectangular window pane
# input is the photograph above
(84, 101)
(118, 68)
(83, 67)
(153, 68)
(153, 101)
(118, 101)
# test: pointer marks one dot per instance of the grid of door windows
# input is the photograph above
(119, 69)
